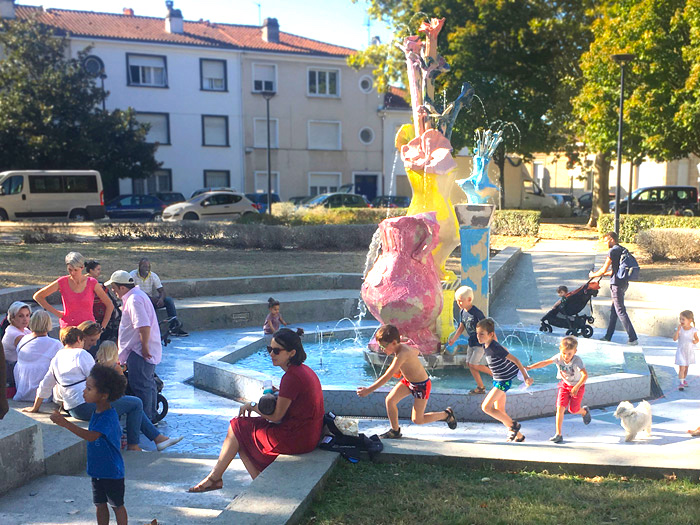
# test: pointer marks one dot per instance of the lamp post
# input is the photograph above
(622, 59)
(267, 95)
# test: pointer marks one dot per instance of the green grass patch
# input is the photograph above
(409, 492)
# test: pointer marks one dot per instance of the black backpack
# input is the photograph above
(352, 448)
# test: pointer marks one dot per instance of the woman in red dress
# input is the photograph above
(299, 411)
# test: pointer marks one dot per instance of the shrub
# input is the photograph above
(631, 225)
(516, 222)
(682, 244)
(48, 234)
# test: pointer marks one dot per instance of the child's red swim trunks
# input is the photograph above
(418, 390)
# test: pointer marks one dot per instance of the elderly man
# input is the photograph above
(150, 283)
(139, 339)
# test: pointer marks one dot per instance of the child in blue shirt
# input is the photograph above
(104, 460)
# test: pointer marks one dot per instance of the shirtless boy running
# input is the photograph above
(414, 381)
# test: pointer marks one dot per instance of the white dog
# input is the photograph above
(634, 419)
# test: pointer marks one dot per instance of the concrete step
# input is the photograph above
(650, 318)
(156, 487)
(21, 451)
(234, 311)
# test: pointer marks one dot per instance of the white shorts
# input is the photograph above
(685, 355)
(475, 355)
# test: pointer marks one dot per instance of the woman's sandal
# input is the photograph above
(214, 484)
(451, 419)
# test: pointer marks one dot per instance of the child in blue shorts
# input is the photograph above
(104, 460)
(504, 368)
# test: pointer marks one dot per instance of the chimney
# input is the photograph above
(128, 11)
(173, 20)
(270, 30)
(7, 8)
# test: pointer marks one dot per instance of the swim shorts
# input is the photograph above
(503, 385)
(567, 400)
(418, 390)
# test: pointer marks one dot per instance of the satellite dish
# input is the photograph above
(94, 65)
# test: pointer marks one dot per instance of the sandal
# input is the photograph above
(214, 484)
(451, 419)
(513, 431)
(478, 390)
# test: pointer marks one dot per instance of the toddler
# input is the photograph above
(274, 318)
(108, 355)
(687, 337)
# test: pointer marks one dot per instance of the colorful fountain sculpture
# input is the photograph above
(414, 302)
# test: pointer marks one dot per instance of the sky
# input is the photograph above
(337, 22)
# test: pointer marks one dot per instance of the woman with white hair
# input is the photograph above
(34, 354)
(78, 293)
(18, 315)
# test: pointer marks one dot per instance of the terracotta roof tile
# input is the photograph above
(150, 29)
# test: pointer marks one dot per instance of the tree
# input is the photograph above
(521, 57)
(51, 113)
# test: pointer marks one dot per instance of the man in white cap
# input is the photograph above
(139, 339)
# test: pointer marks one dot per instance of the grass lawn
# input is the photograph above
(409, 492)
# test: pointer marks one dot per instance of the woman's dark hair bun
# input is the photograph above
(300, 332)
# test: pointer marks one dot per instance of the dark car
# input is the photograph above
(564, 199)
(300, 199)
(135, 207)
(661, 200)
(170, 197)
(259, 200)
(585, 203)
(338, 200)
(391, 201)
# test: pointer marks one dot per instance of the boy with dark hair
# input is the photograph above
(562, 291)
(414, 381)
(104, 460)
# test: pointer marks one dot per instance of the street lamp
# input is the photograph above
(622, 59)
(267, 95)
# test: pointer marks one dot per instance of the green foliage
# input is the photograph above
(51, 113)
(516, 222)
(631, 225)
(287, 213)
(680, 244)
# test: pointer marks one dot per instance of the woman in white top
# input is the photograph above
(34, 354)
(66, 376)
(18, 315)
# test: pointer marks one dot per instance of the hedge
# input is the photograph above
(681, 244)
(516, 222)
(631, 225)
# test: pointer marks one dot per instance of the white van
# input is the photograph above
(51, 194)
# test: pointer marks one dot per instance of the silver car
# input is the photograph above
(212, 205)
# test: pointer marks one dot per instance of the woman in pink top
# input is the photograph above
(78, 293)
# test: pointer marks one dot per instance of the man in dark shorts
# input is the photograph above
(618, 287)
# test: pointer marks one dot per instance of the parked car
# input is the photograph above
(338, 200)
(661, 200)
(212, 205)
(204, 190)
(135, 207)
(300, 199)
(585, 202)
(259, 200)
(564, 199)
(170, 197)
(390, 201)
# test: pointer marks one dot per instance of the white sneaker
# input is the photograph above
(633, 343)
(168, 443)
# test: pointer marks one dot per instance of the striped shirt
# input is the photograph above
(501, 368)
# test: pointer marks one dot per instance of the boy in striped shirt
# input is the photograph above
(504, 368)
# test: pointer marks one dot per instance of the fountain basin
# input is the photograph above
(223, 372)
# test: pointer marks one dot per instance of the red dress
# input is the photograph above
(77, 307)
(300, 429)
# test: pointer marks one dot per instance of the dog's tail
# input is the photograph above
(644, 406)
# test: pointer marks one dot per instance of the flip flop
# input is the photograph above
(214, 484)
(451, 419)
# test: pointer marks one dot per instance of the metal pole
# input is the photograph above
(619, 149)
(629, 188)
(104, 105)
(269, 173)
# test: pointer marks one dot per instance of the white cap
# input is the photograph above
(120, 277)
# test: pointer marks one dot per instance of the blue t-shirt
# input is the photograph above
(104, 459)
(615, 255)
(469, 318)
(501, 368)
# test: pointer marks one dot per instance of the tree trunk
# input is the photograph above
(601, 188)
(500, 158)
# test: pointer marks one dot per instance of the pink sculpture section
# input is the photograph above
(403, 287)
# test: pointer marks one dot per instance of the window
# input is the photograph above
(161, 180)
(264, 77)
(323, 183)
(146, 70)
(324, 134)
(324, 82)
(217, 178)
(80, 183)
(159, 131)
(212, 75)
(261, 182)
(260, 133)
(214, 130)
(366, 84)
(13, 185)
(221, 199)
(45, 184)
(366, 136)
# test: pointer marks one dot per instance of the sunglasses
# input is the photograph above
(273, 350)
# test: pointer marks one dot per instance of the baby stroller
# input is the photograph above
(565, 313)
(161, 402)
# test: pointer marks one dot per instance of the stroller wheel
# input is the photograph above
(571, 332)
(587, 331)
(161, 408)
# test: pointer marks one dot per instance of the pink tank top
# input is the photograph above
(77, 307)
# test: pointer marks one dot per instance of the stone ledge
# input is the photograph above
(21, 451)
(501, 266)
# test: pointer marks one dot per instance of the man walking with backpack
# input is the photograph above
(618, 287)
